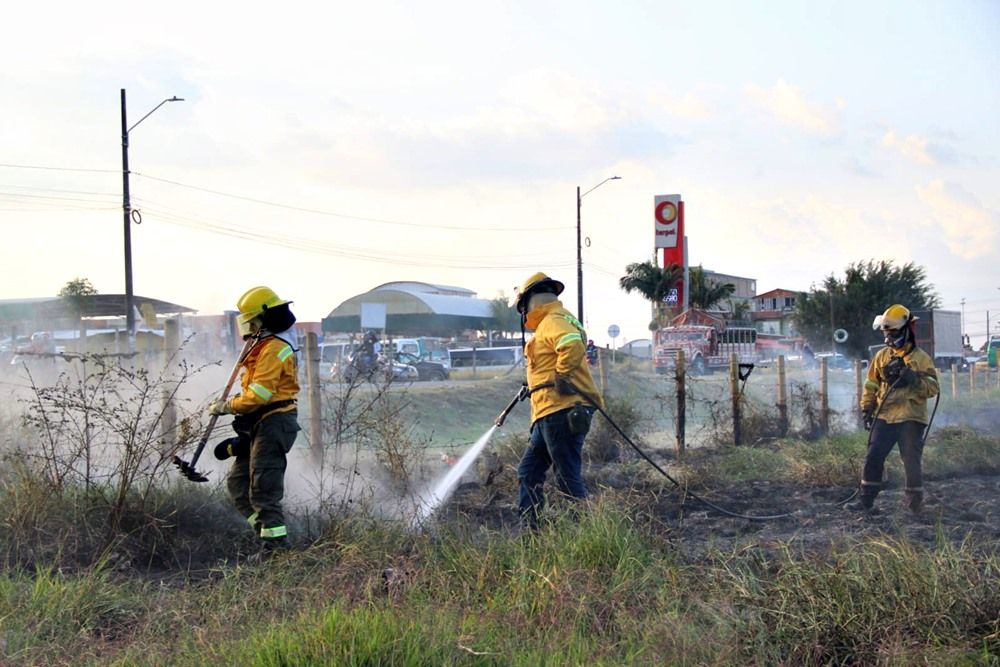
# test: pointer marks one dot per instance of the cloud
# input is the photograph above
(970, 229)
(688, 106)
(786, 104)
(910, 147)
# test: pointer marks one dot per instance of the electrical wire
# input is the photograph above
(47, 168)
(348, 216)
(466, 262)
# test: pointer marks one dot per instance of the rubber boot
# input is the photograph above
(866, 499)
(914, 500)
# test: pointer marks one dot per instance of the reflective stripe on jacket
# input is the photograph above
(558, 347)
(904, 403)
(269, 375)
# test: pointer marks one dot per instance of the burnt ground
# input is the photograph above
(964, 508)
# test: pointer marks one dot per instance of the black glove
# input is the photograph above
(235, 446)
(564, 386)
(893, 369)
(907, 377)
(868, 418)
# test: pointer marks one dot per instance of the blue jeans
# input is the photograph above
(551, 444)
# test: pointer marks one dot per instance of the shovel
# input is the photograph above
(188, 469)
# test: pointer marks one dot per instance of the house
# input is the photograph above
(772, 312)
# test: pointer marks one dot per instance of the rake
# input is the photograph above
(188, 469)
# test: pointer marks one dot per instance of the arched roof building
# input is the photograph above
(415, 309)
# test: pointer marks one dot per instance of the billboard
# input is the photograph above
(668, 234)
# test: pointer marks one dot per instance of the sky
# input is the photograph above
(323, 149)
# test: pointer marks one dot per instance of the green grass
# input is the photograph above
(594, 588)
(602, 585)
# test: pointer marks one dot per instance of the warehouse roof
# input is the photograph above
(91, 305)
(416, 308)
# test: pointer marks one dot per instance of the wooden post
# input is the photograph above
(168, 423)
(679, 374)
(734, 391)
(972, 379)
(782, 398)
(601, 374)
(954, 380)
(313, 382)
(824, 397)
(473, 362)
(605, 385)
(859, 390)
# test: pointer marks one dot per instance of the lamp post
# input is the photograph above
(127, 218)
(579, 250)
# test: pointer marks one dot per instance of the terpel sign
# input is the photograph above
(668, 215)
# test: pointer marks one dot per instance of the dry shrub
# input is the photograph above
(605, 443)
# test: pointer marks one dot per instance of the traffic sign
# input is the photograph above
(613, 331)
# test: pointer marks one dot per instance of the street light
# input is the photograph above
(579, 252)
(127, 217)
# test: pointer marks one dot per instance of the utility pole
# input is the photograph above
(579, 250)
(579, 261)
(833, 328)
(127, 218)
(127, 215)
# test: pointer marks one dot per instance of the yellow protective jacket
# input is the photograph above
(269, 375)
(558, 347)
(904, 403)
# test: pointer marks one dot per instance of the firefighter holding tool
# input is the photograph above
(265, 415)
(901, 378)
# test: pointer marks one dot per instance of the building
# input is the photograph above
(740, 301)
(772, 312)
(416, 309)
(89, 322)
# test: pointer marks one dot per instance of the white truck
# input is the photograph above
(939, 334)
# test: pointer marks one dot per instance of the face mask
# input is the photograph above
(895, 338)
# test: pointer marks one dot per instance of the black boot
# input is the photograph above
(866, 499)
(914, 500)
(862, 504)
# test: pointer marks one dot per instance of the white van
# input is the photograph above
(331, 355)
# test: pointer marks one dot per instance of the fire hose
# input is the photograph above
(524, 392)
(870, 426)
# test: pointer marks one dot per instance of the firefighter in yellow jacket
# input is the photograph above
(900, 379)
(562, 391)
(265, 414)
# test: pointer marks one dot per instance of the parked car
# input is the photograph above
(426, 369)
(353, 367)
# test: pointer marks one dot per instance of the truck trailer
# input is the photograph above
(939, 334)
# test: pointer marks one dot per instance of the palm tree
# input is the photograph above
(704, 293)
(652, 282)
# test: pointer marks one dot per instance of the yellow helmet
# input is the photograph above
(536, 282)
(255, 301)
(895, 317)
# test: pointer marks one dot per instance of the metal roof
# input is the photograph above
(416, 308)
(91, 305)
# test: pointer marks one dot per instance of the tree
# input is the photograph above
(851, 303)
(704, 293)
(507, 320)
(654, 283)
(74, 293)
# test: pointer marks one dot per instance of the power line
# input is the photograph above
(45, 168)
(348, 216)
(482, 262)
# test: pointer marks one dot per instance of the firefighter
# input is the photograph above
(266, 415)
(901, 377)
(563, 395)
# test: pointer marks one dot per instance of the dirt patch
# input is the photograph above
(814, 520)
